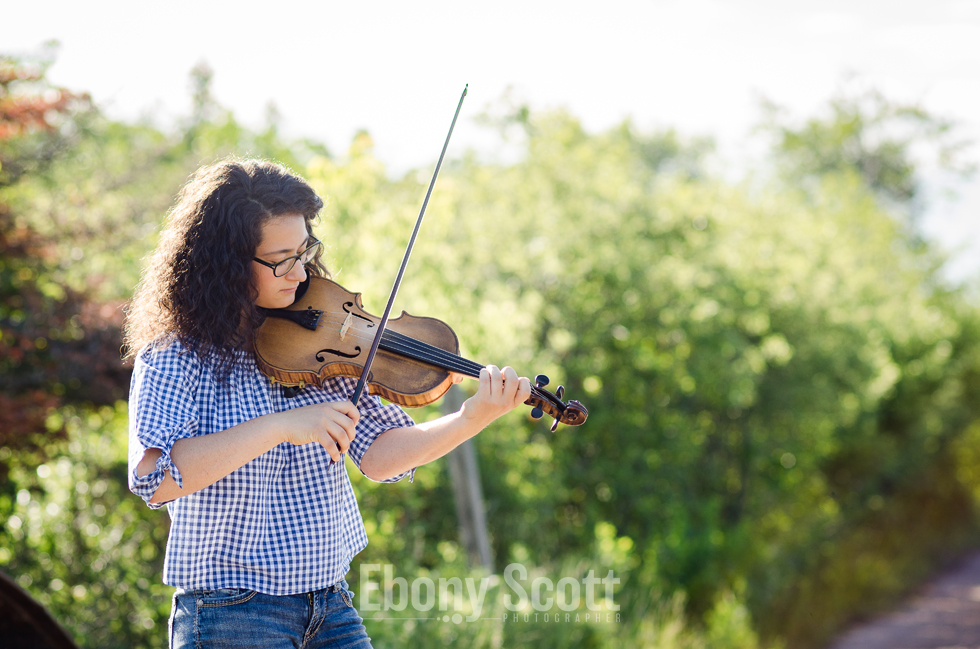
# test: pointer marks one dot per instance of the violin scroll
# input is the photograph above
(543, 402)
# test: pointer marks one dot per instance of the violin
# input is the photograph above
(326, 333)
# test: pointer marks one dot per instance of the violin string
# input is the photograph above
(448, 358)
(432, 354)
(427, 353)
(413, 348)
(421, 351)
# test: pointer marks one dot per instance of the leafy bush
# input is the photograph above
(782, 389)
(78, 540)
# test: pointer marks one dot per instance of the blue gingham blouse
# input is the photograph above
(284, 523)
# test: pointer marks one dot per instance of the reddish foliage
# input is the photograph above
(26, 112)
(21, 115)
(52, 350)
(24, 414)
(70, 346)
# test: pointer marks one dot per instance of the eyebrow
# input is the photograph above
(300, 248)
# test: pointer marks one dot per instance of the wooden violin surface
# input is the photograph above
(326, 333)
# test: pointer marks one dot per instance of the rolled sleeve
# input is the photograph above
(377, 418)
(162, 409)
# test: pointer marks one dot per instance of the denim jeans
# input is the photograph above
(236, 618)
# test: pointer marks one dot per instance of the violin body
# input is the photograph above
(296, 356)
(326, 332)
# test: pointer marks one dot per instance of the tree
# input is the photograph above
(54, 343)
(884, 142)
(757, 358)
(36, 119)
(779, 382)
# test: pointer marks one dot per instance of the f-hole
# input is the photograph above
(347, 309)
(320, 354)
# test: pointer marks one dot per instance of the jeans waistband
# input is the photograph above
(339, 586)
(336, 588)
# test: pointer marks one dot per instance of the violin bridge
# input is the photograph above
(347, 324)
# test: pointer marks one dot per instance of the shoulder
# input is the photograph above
(169, 357)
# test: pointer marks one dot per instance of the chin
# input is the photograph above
(276, 302)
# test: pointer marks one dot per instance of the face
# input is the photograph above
(282, 237)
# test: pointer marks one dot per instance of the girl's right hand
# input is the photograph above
(329, 424)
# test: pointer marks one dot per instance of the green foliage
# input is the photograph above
(766, 369)
(78, 541)
(867, 134)
(99, 203)
(81, 200)
(782, 390)
(54, 345)
(37, 120)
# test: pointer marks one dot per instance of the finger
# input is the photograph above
(340, 437)
(496, 380)
(337, 422)
(523, 389)
(330, 446)
(457, 378)
(346, 408)
(349, 426)
(346, 429)
(346, 415)
(510, 386)
(485, 380)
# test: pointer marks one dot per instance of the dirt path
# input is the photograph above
(945, 614)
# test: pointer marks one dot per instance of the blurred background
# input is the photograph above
(744, 234)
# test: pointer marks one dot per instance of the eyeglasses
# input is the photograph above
(281, 268)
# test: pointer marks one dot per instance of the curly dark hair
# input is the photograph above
(197, 287)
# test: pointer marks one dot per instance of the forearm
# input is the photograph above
(202, 461)
(401, 449)
(205, 459)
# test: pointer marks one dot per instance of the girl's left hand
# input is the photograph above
(500, 392)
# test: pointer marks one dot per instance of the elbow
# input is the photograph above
(376, 466)
(371, 468)
(390, 456)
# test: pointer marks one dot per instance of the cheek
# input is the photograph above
(260, 285)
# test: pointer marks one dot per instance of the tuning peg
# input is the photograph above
(554, 426)
(541, 380)
(537, 413)
(560, 391)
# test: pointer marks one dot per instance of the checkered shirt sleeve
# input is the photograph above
(287, 522)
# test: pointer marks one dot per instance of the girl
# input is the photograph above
(264, 521)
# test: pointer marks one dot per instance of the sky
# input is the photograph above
(397, 69)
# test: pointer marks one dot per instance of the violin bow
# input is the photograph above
(401, 271)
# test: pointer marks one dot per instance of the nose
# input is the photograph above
(297, 272)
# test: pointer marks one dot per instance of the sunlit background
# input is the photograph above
(396, 69)
(702, 217)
